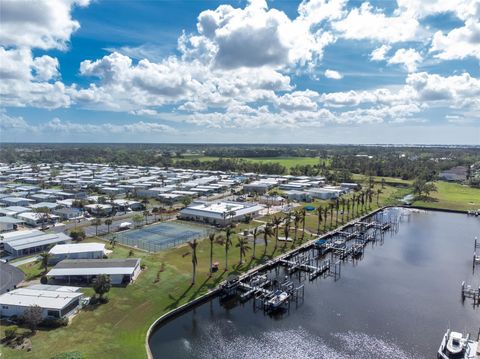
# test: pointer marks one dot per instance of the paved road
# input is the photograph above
(10, 276)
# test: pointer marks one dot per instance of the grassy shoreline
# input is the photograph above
(118, 329)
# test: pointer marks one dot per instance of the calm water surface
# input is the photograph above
(396, 302)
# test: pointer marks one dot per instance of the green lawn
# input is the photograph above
(288, 162)
(117, 329)
(453, 196)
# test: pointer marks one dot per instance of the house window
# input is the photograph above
(53, 313)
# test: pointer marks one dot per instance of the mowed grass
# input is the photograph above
(453, 196)
(288, 162)
(118, 329)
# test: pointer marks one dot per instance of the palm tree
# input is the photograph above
(337, 207)
(155, 212)
(96, 223)
(146, 213)
(228, 242)
(255, 233)
(343, 209)
(161, 210)
(108, 222)
(286, 228)
(193, 246)
(267, 232)
(297, 217)
(44, 259)
(211, 238)
(242, 245)
(332, 206)
(276, 220)
(98, 210)
(378, 195)
(325, 215)
(43, 214)
(303, 212)
(347, 206)
(319, 211)
(353, 205)
(113, 241)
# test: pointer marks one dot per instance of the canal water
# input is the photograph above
(396, 302)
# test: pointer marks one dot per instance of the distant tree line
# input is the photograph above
(336, 162)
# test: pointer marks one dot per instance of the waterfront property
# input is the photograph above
(371, 308)
(120, 271)
(55, 301)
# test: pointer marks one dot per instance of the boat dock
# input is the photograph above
(476, 247)
(271, 291)
(306, 265)
(469, 292)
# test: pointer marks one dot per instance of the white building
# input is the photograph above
(26, 242)
(35, 219)
(55, 301)
(9, 223)
(220, 213)
(120, 271)
(77, 251)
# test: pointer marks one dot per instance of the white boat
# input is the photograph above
(277, 300)
(455, 345)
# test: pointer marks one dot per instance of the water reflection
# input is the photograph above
(396, 302)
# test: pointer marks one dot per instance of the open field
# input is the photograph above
(117, 329)
(453, 196)
(288, 162)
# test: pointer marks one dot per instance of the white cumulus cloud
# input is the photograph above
(332, 74)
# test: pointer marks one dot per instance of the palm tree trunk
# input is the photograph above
(226, 257)
(194, 272)
(211, 257)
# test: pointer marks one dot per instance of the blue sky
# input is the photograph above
(316, 71)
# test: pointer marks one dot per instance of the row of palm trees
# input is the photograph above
(351, 207)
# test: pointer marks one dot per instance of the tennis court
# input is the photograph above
(157, 237)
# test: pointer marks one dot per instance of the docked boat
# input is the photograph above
(279, 297)
(456, 345)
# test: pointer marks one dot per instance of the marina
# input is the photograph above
(305, 295)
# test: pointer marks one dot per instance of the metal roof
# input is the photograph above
(77, 248)
(75, 267)
(48, 299)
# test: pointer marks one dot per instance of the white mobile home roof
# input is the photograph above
(77, 248)
(32, 238)
(51, 299)
(74, 267)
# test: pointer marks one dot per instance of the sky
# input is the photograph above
(312, 71)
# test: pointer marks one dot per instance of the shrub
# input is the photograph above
(54, 323)
(11, 332)
(32, 316)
